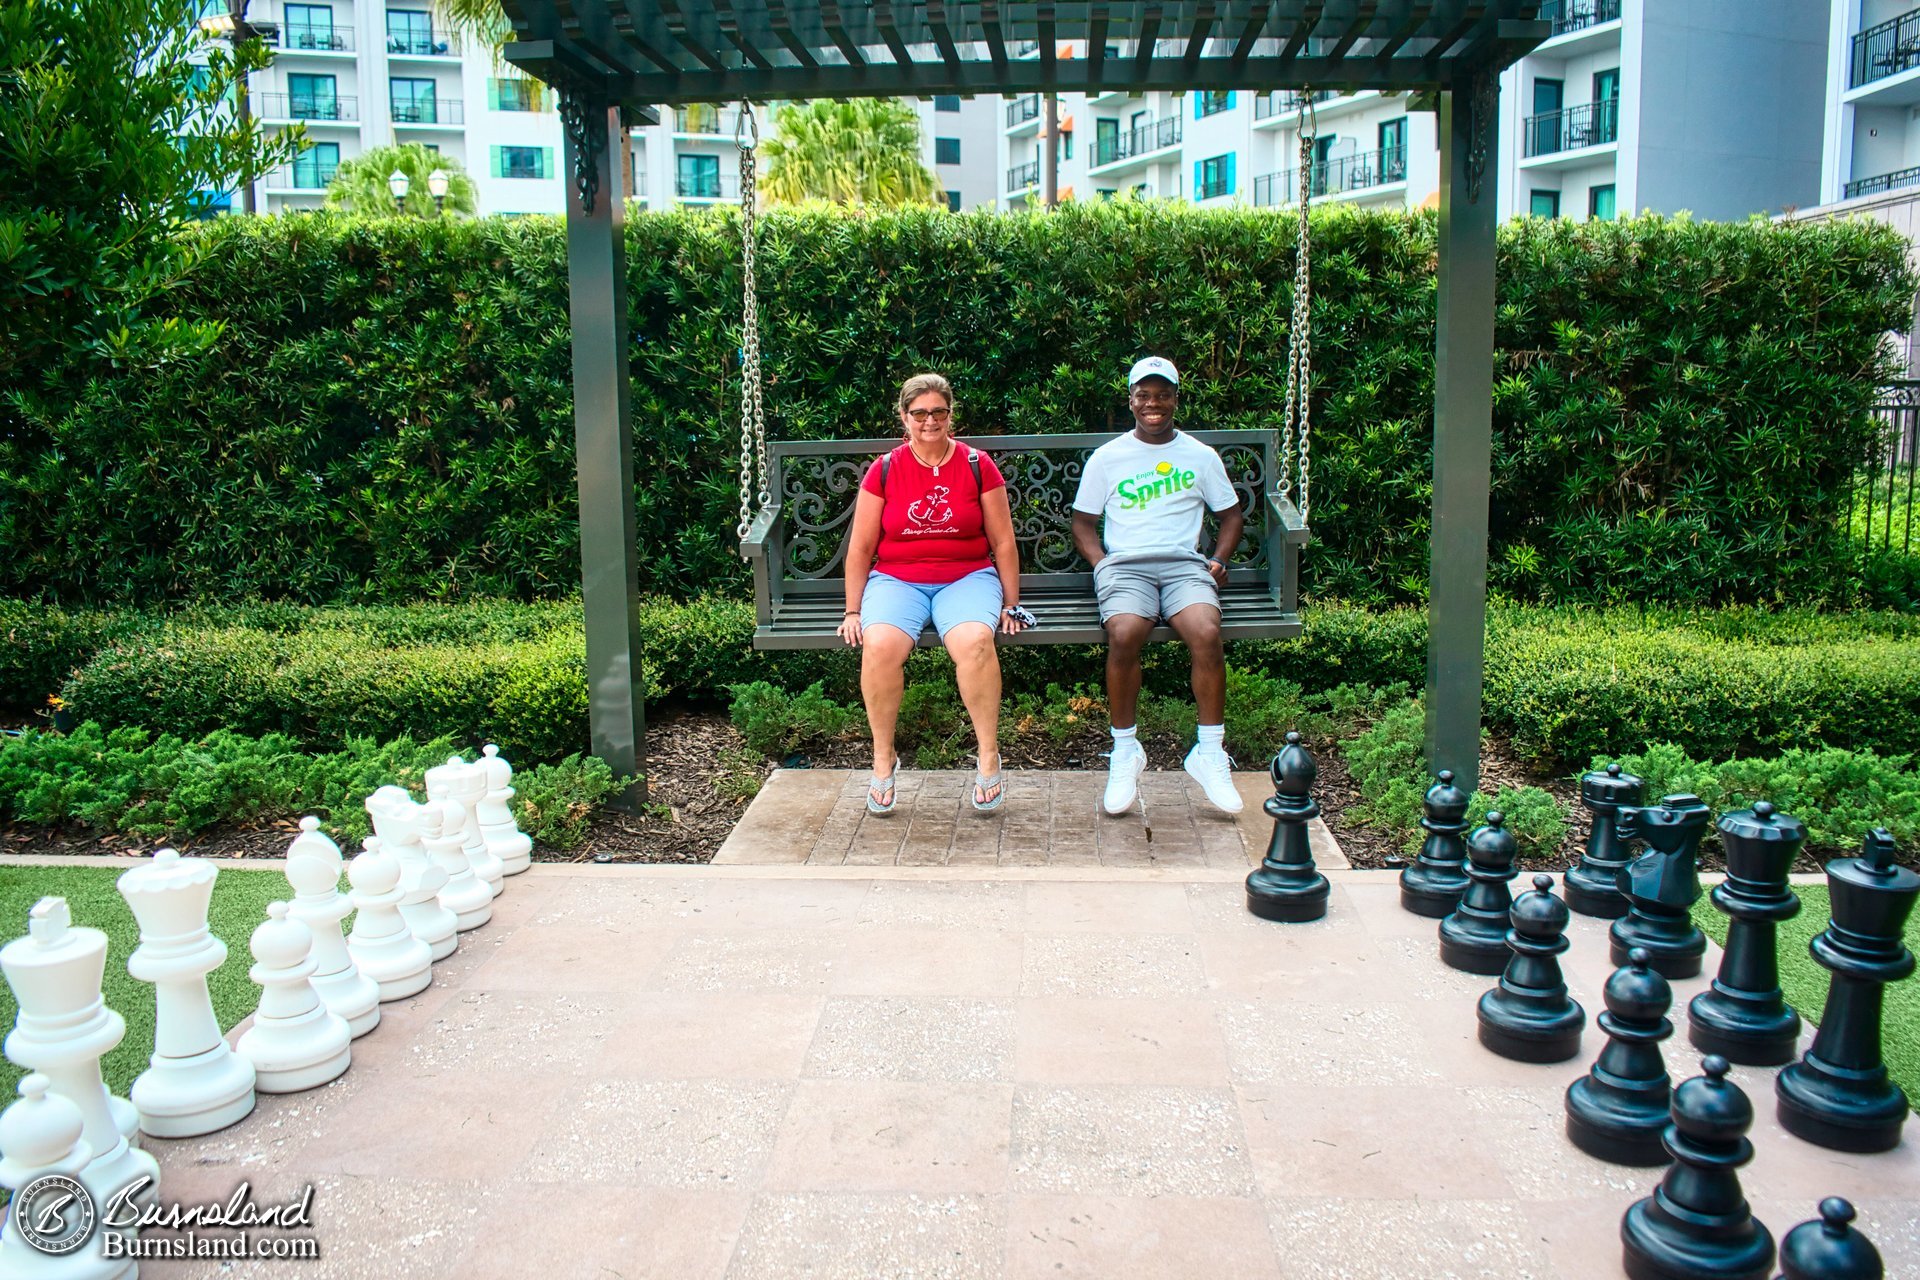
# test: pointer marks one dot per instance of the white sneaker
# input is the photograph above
(1212, 768)
(1124, 767)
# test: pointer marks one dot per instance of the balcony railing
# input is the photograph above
(303, 106)
(1212, 188)
(1577, 15)
(1588, 125)
(1885, 182)
(422, 44)
(318, 39)
(1021, 110)
(303, 177)
(1885, 50)
(705, 120)
(1022, 176)
(1334, 177)
(1148, 138)
(447, 111)
(706, 186)
(1280, 102)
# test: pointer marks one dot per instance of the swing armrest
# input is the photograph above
(759, 533)
(1286, 519)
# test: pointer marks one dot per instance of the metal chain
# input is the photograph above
(1296, 429)
(755, 476)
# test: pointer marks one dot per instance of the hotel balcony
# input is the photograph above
(432, 113)
(312, 39)
(311, 108)
(1137, 146)
(1367, 172)
(1579, 26)
(1557, 138)
(1894, 181)
(1022, 112)
(1883, 64)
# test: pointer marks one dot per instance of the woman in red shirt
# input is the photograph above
(932, 541)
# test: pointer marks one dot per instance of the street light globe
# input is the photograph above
(437, 184)
(398, 183)
(217, 24)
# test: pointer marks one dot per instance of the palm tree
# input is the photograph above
(481, 20)
(360, 184)
(866, 151)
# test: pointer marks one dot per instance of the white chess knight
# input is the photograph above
(396, 823)
(495, 815)
(40, 1135)
(465, 894)
(463, 786)
(382, 945)
(63, 1028)
(313, 869)
(195, 1083)
(295, 1041)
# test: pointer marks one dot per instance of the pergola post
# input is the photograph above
(603, 444)
(1462, 428)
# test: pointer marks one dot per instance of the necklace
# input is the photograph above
(944, 457)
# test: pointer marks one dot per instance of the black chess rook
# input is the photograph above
(1593, 887)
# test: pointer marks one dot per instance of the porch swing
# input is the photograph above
(797, 497)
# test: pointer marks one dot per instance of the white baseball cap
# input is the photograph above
(1153, 367)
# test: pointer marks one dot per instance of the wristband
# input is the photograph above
(1217, 560)
(851, 613)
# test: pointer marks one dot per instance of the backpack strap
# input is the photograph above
(886, 465)
(973, 461)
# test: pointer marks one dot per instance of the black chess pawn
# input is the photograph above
(1662, 885)
(1474, 937)
(1593, 887)
(1839, 1095)
(1743, 1017)
(1697, 1224)
(1829, 1248)
(1286, 886)
(1618, 1111)
(1529, 1016)
(1433, 884)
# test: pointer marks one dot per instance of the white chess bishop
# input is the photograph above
(465, 894)
(295, 1041)
(383, 947)
(194, 1084)
(464, 786)
(495, 815)
(396, 824)
(39, 1136)
(313, 869)
(63, 1028)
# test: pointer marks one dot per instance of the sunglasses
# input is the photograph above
(930, 415)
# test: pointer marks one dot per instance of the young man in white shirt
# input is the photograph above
(1149, 489)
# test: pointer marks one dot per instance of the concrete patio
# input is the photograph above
(961, 1071)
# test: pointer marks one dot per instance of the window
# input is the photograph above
(697, 177)
(413, 101)
(949, 102)
(516, 93)
(310, 26)
(522, 162)
(953, 202)
(1544, 204)
(314, 167)
(1600, 202)
(1106, 141)
(313, 97)
(410, 31)
(1213, 178)
(1066, 145)
(1544, 124)
(1606, 107)
(946, 151)
(1211, 102)
(1393, 149)
(1105, 193)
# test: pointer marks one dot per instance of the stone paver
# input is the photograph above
(961, 1071)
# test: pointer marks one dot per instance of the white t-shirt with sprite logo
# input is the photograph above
(1153, 496)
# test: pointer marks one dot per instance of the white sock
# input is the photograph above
(1213, 737)
(1129, 734)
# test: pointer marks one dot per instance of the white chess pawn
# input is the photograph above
(314, 873)
(464, 785)
(466, 895)
(495, 815)
(382, 945)
(40, 1136)
(295, 1041)
(63, 1028)
(195, 1083)
(396, 823)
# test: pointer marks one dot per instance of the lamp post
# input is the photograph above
(437, 185)
(397, 182)
(233, 27)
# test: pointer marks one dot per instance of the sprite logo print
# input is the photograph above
(1139, 490)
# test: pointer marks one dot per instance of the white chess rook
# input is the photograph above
(63, 1028)
(313, 869)
(495, 815)
(40, 1135)
(295, 1041)
(396, 822)
(466, 895)
(194, 1082)
(465, 785)
(382, 945)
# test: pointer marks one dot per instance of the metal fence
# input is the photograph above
(1588, 125)
(1577, 15)
(1883, 498)
(1885, 49)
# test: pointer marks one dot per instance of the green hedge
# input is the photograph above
(1678, 405)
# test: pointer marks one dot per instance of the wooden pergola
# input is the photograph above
(615, 62)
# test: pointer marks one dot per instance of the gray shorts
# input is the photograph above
(1153, 585)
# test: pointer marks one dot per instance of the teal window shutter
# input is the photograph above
(1230, 101)
(1198, 99)
(546, 162)
(496, 169)
(1231, 189)
(1199, 178)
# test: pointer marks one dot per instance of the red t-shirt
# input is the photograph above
(931, 526)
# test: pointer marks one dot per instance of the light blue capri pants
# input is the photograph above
(908, 605)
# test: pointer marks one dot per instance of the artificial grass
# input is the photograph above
(1805, 983)
(239, 905)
